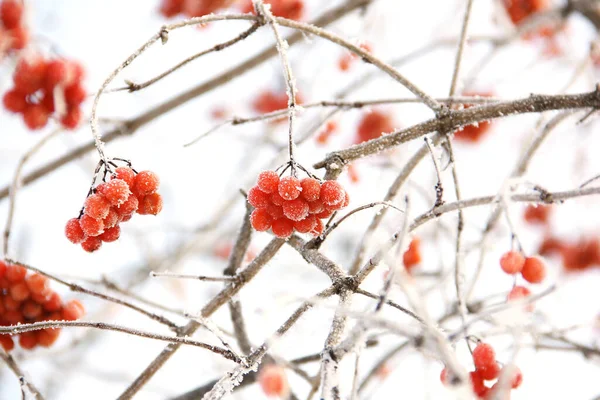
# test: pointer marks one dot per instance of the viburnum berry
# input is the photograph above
(512, 262)
(11, 13)
(128, 207)
(35, 116)
(75, 95)
(490, 372)
(47, 337)
(96, 206)
(534, 270)
(111, 234)
(54, 303)
(72, 118)
(15, 101)
(519, 10)
(318, 229)
(484, 356)
(581, 255)
(126, 174)
(111, 219)
(289, 188)
(518, 293)
(311, 189)
(330, 128)
(28, 340)
(332, 193)
(537, 214)
(315, 207)
(296, 210)
(412, 256)
(91, 244)
(372, 125)
(473, 133)
(261, 220)
(151, 204)
(326, 213)
(73, 231)
(19, 292)
(268, 181)
(290, 9)
(273, 381)
(15, 273)
(477, 383)
(277, 199)
(282, 228)
(306, 225)
(31, 309)
(145, 183)
(91, 226)
(37, 283)
(274, 211)
(30, 74)
(257, 198)
(73, 310)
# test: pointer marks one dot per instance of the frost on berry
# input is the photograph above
(311, 189)
(145, 183)
(484, 356)
(97, 207)
(126, 174)
(151, 204)
(261, 220)
(332, 193)
(277, 199)
(306, 225)
(92, 244)
(490, 372)
(128, 207)
(512, 262)
(257, 198)
(111, 219)
(91, 226)
(296, 210)
(274, 210)
(116, 191)
(268, 181)
(283, 228)
(318, 229)
(534, 270)
(111, 234)
(289, 188)
(73, 231)
(316, 206)
(477, 383)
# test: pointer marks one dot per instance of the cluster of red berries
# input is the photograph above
(372, 125)
(578, 256)
(43, 87)
(412, 256)
(111, 203)
(27, 298)
(474, 132)
(519, 10)
(346, 61)
(13, 34)
(269, 101)
(291, 9)
(288, 204)
(532, 269)
(486, 369)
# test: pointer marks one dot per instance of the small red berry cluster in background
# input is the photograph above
(412, 256)
(519, 10)
(269, 101)
(44, 87)
(13, 34)
(223, 251)
(331, 127)
(191, 8)
(474, 132)
(273, 381)
(289, 204)
(532, 269)
(537, 214)
(372, 125)
(290, 9)
(578, 256)
(346, 61)
(27, 298)
(486, 369)
(111, 203)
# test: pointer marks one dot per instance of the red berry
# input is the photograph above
(490, 372)
(289, 188)
(29, 75)
(477, 383)
(512, 262)
(37, 283)
(257, 198)
(126, 174)
(19, 292)
(444, 376)
(7, 342)
(15, 101)
(318, 229)
(537, 214)
(10, 304)
(326, 213)
(111, 235)
(274, 211)
(277, 199)
(296, 210)
(3, 267)
(54, 303)
(73, 231)
(315, 207)
(517, 377)
(72, 118)
(97, 206)
(268, 181)
(311, 189)
(283, 228)
(28, 340)
(91, 226)
(534, 270)
(340, 205)
(75, 95)
(412, 256)
(92, 244)
(116, 191)
(73, 310)
(31, 309)
(15, 273)
(56, 73)
(20, 38)
(151, 204)
(47, 337)
(129, 207)
(273, 381)
(170, 8)
(373, 125)
(11, 12)
(332, 193)
(484, 356)
(306, 225)
(35, 116)
(111, 219)
(145, 183)
(261, 220)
